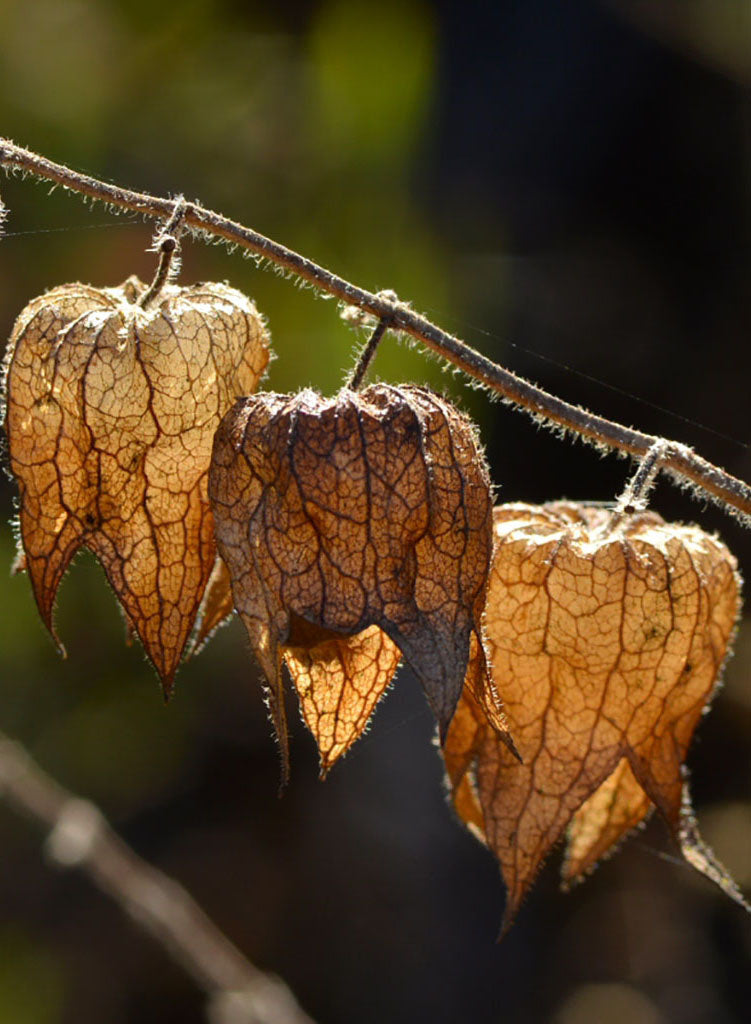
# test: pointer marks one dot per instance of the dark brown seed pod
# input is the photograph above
(341, 520)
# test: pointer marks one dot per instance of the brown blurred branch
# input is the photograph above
(239, 993)
(682, 463)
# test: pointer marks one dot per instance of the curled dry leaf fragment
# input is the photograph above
(111, 412)
(355, 529)
(606, 644)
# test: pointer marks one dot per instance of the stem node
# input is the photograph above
(167, 244)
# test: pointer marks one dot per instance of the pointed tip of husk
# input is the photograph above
(167, 682)
(508, 741)
(284, 775)
(696, 853)
(507, 921)
(281, 734)
(46, 616)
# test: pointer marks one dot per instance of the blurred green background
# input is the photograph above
(568, 187)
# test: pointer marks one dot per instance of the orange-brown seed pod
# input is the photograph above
(111, 410)
(606, 638)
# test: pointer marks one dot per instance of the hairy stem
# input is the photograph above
(680, 462)
(167, 244)
(641, 483)
(80, 837)
(167, 250)
(367, 355)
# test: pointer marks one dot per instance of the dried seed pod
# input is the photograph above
(606, 644)
(335, 516)
(111, 412)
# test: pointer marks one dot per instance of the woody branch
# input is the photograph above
(79, 836)
(680, 462)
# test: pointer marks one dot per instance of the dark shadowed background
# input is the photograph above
(566, 186)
